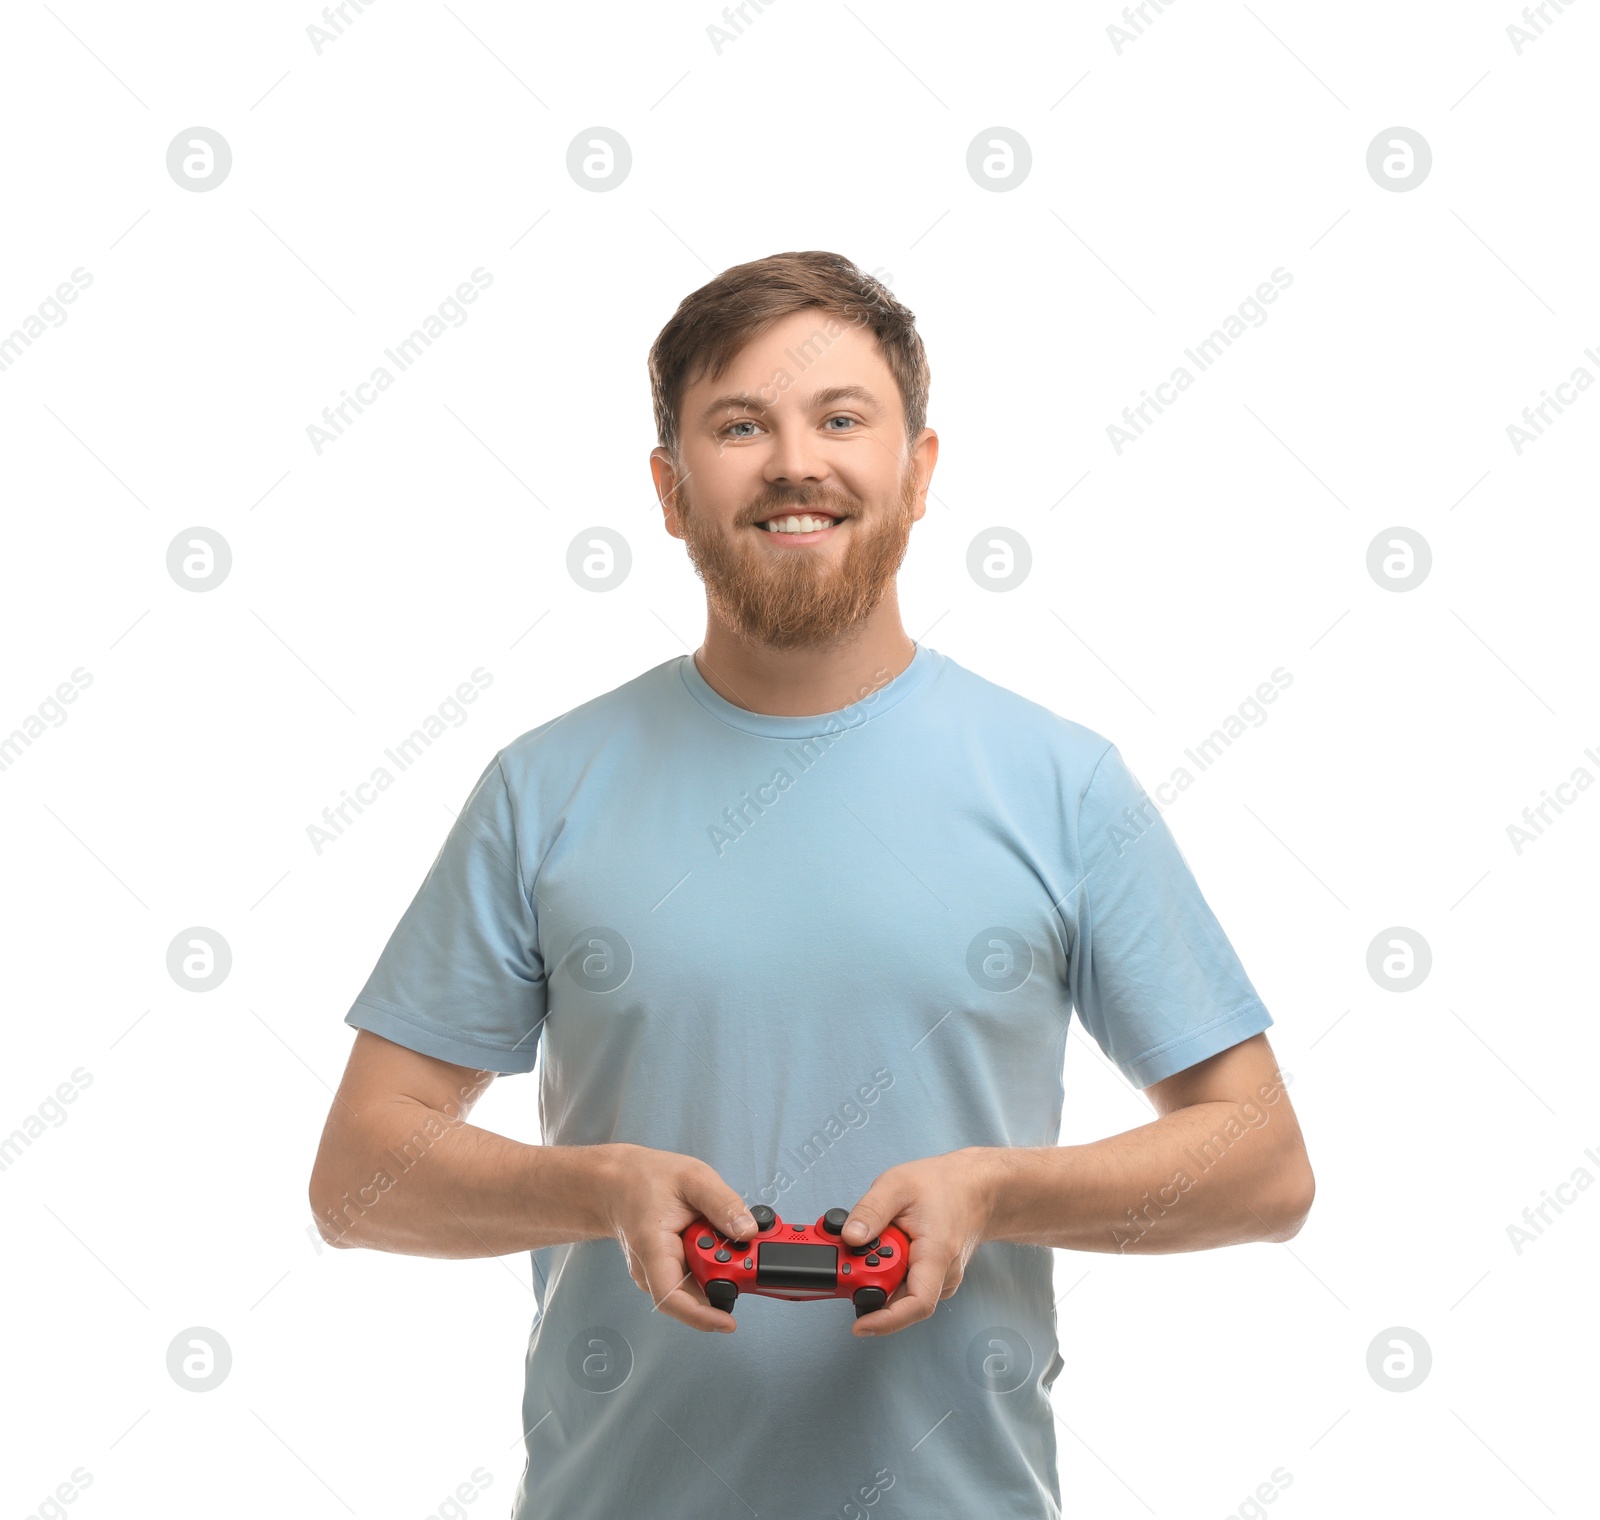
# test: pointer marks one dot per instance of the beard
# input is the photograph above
(789, 598)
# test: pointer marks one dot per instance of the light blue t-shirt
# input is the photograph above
(803, 949)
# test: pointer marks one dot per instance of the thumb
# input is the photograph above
(878, 1206)
(720, 1206)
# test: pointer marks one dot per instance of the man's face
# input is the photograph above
(807, 419)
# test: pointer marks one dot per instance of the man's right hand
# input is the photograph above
(652, 1198)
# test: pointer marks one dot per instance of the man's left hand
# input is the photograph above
(942, 1203)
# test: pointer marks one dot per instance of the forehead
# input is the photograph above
(792, 360)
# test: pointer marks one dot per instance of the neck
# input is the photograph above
(799, 683)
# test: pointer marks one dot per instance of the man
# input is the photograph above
(798, 922)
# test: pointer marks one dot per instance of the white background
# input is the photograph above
(1168, 180)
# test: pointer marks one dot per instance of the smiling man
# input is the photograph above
(799, 922)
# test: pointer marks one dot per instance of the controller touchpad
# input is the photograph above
(780, 1264)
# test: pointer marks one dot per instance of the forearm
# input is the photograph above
(406, 1178)
(1194, 1178)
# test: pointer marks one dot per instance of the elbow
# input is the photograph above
(1291, 1201)
(333, 1225)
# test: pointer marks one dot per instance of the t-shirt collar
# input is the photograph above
(871, 702)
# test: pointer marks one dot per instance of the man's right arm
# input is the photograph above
(399, 1169)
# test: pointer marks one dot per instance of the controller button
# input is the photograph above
(739, 1245)
(844, 1268)
(747, 1264)
(705, 1242)
(886, 1250)
(833, 1220)
(764, 1217)
(722, 1256)
(871, 1245)
(872, 1261)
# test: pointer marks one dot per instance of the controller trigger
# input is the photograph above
(722, 1294)
(868, 1300)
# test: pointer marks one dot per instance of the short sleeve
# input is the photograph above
(461, 978)
(1152, 974)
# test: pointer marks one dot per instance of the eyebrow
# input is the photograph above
(740, 401)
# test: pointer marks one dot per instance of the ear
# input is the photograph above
(664, 472)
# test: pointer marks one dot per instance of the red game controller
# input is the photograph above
(796, 1261)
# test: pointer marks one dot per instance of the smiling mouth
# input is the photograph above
(799, 523)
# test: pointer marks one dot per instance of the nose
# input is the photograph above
(794, 460)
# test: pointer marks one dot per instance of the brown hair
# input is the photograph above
(714, 322)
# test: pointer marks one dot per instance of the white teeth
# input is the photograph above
(805, 524)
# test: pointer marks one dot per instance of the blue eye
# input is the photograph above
(841, 418)
(744, 423)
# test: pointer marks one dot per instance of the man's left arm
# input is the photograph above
(1224, 1163)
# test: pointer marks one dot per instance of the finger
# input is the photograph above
(877, 1209)
(928, 1266)
(718, 1204)
(673, 1290)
